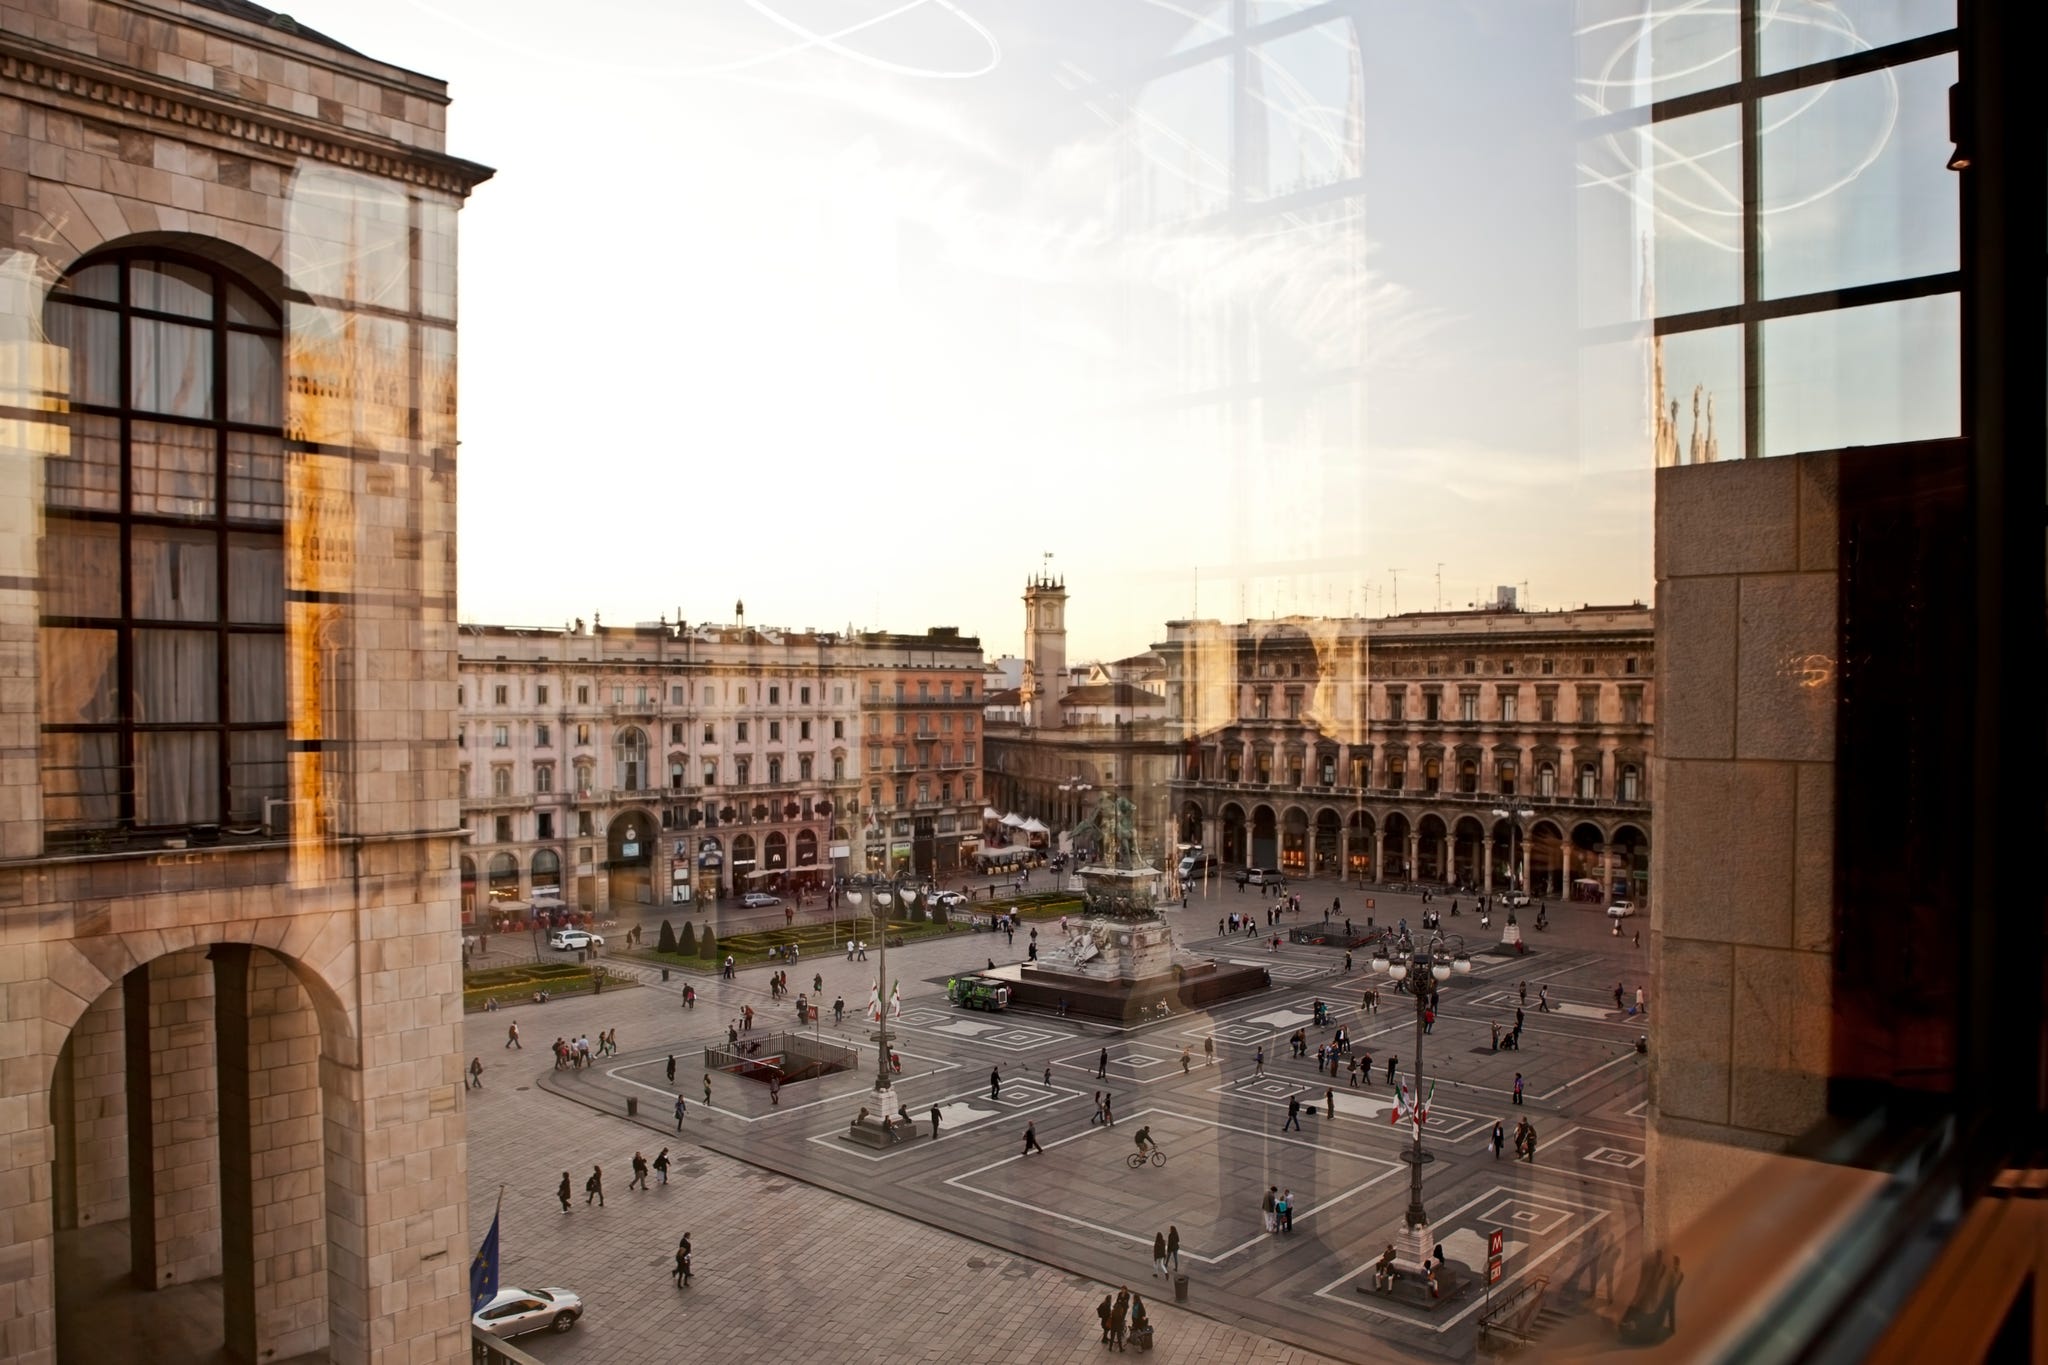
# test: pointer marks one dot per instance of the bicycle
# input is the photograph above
(1136, 1160)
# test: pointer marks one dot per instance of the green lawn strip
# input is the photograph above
(509, 987)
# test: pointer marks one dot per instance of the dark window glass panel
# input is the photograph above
(255, 383)
(177, 677)
(93, 337)
(244, 307)
(101, 281)
(177, 778)
(81, 779)
(175, 574)
(81, 568)
(171, 367)
(255, 477)
(79, 684)
(255, 678)
(165, 287)
(1863, 376)
(1855, 181)
(171, 469)
(256, 771)
(1807, 31)
(90, 476)
(255, 580)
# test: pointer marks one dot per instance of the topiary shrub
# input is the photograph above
(665, 941)
(687, 944)
(707, 946)
(916, 915)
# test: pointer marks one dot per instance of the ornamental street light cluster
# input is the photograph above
(1401, 957)
(1516, 816)
(886, 891)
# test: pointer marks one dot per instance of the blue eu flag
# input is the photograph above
(483, 1271)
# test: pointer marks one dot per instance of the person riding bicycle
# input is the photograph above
(1143, 1137)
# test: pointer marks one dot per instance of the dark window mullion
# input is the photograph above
(223, 767)
(124, 652)
(1752, 238)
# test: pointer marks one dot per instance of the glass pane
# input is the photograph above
(255, 385)
(1694, 210)
(163, 287)
(245, 307)
(437, 258)
(173, 367)
(177, 778)
(1797, 32)
(102, 281)
(1634, 52)
(90, 476)
(171, 469)
(1855, 180)
(1303, 87)
(255, 678)
(78, 676)
(1696, 383)
(256, 772)
(437, 385)
(347, 237)
(93, 336)
(1863, 376)
(1181, 128)
(81, 779)
(177, 677)
(255, 580)
(81, 569)
(176, 574)
(255, 477)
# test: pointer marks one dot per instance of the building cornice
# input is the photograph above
(131, 94)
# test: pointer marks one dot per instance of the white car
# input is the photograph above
(1621, 909)
(759, 900)
(949, 899)
(569, 940)
(515, 1312)
(1514, 900)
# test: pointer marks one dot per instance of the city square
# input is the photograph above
(1572, 1216)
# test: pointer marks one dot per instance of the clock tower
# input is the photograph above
(1045, 649)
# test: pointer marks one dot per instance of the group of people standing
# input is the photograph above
(1123, 1318)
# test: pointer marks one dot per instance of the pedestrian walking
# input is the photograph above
(1393, 1063)
(1259, 1061)
(1524, 988)
(1173, 1246)
(512, 1036)
(1429, 1021)
(1187, 1058)
(1108, 1109)
(1209, 1049)
(995, 1082)
(935, 1123)
(1498, 1140)
(1031, 1140)
(593, 1188)
(1641, 1007)
(1329, 1102)
(1617, 995)
(661, 1165)
(1102, 1065)
(682, 1270)
(1283, 1209)
(476, 1073)
(1267, 1205)
(1518, 1087)
(1529, 1143)
(707, 1090)
(1543, 1000)
(775, 1091)
(1102, 1311)
(1354, 1073)
(1496, 1034)
(671, 1068)
(1158, 1255)
(1098, 1110)
(639, 1172)
(1118, 1312)
(1293, 1114)
(562, 1193)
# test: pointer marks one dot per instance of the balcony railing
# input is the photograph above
(1409, 793)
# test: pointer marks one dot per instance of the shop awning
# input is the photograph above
(991, 813)
(1013, 821)
(1032, 826)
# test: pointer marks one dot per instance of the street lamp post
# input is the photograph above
(1517, 881)
(1400, 956)
(886, 890)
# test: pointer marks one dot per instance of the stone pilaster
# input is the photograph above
(183, 1131)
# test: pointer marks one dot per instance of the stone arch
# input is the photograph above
(1432, 848)
(806, 848)
(1630, 864)
(1192, 822)
(1395, 829)
(81, 236)
(1358, 834)
(1326, 856)
(469, 899)
(630, 841)
(1293, 841)
(775, 851)
(1545, 856)
(503, 875)
(1265, 832)
(1468, 852)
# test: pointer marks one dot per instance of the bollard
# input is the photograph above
(1180, 1289)
(632, 1106)
(664, 973)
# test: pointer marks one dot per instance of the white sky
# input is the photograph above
(857, 330)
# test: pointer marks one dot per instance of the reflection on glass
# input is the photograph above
(1181, 128)
(346, 238)
(171, 367)
(81, 774)
(93, 336)
(167, 287)
(171, 469)
(175, 573)
(1634, 52)
(81, 568)
(1694, 210)
(437, 257)
(1863, 376)
(1697, 380)
(177, 778)
(78, 675)
(1855, 185)
(1304, 89)
(1794, 32)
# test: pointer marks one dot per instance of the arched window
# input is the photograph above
(631, 750)
(1589, 781)
(504, 877)
(675, 774)
(1432, 775)
(1468, 776)
(774, 770)
(1631, 783)
(547, 873)
(586, 779)
(162, 628)
(501, 781)
(1546, 779)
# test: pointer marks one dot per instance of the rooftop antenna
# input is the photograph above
(1524, 603)
(1396, 573)
(1439, 585)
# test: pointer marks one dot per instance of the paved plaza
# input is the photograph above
(806, 1237)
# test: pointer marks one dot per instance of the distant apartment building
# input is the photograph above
(1478, 747)
(671, 764)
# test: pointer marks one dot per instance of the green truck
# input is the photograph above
(978, 993)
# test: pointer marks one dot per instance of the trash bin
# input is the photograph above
(632, 1106)
(1180, 1289)
(664, 973)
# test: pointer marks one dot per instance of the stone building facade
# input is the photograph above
(1476, 748)
(228, 819)
(677, 764)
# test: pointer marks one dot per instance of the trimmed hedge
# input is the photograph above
(686, 945)
(665, 941)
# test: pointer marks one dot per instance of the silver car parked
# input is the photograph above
(515, 1312)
